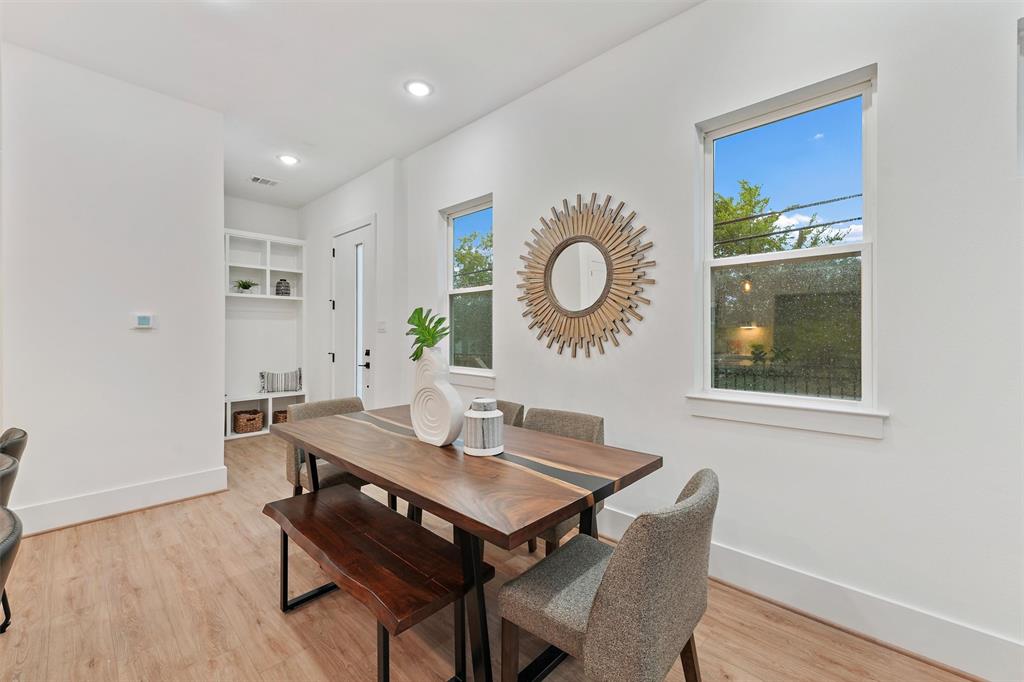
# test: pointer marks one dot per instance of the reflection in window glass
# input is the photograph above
(789, 327)
(794, 183)
(471, 330)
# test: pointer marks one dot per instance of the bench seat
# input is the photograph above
(398, 569)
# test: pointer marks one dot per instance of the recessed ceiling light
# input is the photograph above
(288, 159)
(418, 88)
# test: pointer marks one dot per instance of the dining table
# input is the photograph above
(507, 499)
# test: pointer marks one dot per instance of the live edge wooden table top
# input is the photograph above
(505, 499)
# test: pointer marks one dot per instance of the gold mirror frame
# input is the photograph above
(619, 242)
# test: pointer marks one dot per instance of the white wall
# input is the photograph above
(915, 538)
(112, 204)
(378, 192)
(256, 216)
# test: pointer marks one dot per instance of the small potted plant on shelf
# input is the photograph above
(244, 286)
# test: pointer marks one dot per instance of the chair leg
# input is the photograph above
(688, 657)
(296, 490)
(7, 613)
(531, 545)
(393, 502)
(383, 662)
(509, 651)
(550, 547)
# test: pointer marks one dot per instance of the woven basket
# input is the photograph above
(247, 421)
(280, 416)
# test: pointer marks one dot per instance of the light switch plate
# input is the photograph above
(143, 321)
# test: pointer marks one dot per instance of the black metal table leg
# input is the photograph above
(472, 566)
(314, 473)
(588, 522)
(383, 654)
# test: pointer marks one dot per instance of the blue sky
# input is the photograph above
(804, 158)
(479, 221)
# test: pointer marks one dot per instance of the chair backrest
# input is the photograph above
(13, 442)
(8, 472)
(512, 413)
(324, 408)
(576, 425)
(655, 588)
(318, 408)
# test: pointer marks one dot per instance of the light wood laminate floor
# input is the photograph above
(188, 591)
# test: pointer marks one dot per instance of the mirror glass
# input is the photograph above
(578, 276)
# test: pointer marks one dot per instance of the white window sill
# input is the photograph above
(827, 416)
(472, 378)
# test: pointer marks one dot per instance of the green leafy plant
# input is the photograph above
(245, 284)
(427, 330)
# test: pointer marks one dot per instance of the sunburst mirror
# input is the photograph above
(585, 275)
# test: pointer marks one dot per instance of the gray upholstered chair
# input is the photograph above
(10, 533)
(626, 611)
(13, 442)
(327, 473)
(512, 412)
(576, 425)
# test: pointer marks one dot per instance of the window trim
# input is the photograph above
(865, 419)
(473, 374)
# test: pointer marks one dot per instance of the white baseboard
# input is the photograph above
(68, 511)
(956, 644)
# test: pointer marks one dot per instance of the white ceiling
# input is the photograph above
(324, 80)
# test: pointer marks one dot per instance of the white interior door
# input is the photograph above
(354, 270)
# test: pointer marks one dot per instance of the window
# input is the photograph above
(788, 253)
(471, 286)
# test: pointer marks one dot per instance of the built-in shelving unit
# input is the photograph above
(264, 331)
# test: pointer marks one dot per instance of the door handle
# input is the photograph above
(365, 365)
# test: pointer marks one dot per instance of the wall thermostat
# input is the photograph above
(143, 321)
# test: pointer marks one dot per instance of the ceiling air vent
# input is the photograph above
(257, 180)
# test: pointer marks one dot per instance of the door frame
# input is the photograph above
(369, 221)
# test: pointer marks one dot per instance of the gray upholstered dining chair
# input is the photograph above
(12, 444)
(327, 473)
(576, 425)
(626, 611)
(10, 533)
(512, 413)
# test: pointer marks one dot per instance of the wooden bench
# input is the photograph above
(398, 569)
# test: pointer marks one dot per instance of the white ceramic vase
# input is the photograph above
(436, 405)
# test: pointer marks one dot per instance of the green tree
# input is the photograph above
(741, 226)
(473, 260)
(472, 266)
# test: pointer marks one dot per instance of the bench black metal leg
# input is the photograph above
(415, 514)
(472, 567)
(7, 613)
(588, 522)
(383, 662)
(393, 502)
(459, 617)
(289, 604)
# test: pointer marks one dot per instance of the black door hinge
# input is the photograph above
(333, 253)
(332, 356)
(332, 304)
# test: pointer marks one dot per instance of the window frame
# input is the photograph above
(770, 112)
(450, 215)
